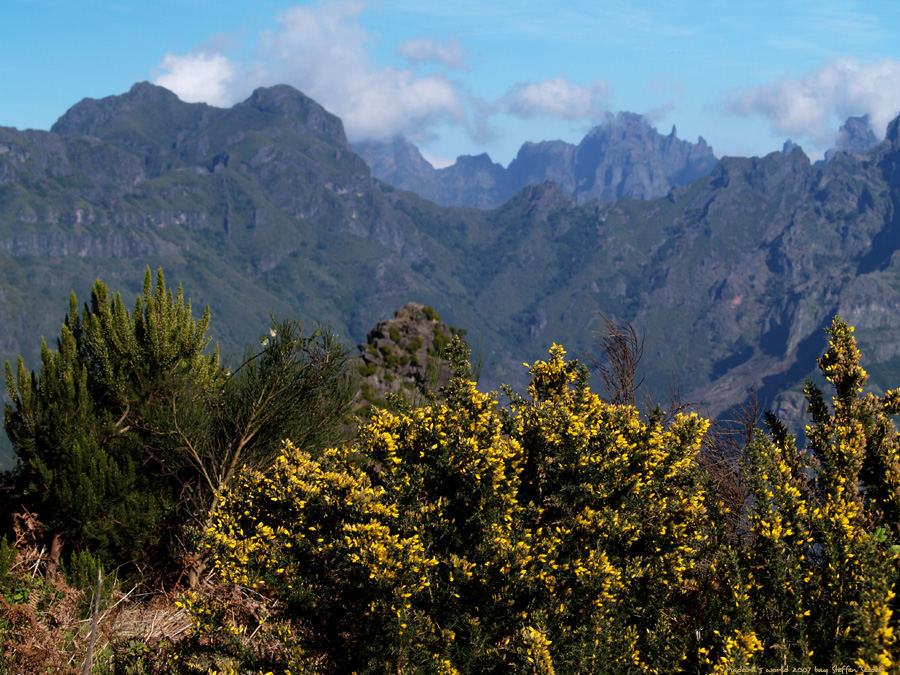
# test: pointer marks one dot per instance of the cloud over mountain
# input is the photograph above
(321, 50)
(557, 98)
(199, 76)
(812, 105)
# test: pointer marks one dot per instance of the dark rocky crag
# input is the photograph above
(856, 135)
(404, 355)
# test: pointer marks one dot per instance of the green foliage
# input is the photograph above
(81, 571)
(440, 342)
(430, 313)
(132, 429)
(295, 387)
(81, 429)
(7, 558)
(414, 344)
(135, 657)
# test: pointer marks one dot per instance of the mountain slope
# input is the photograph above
(258, 208)
(263, 208)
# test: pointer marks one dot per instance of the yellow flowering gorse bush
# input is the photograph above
(566, 534)
(820, 567)
(464, 536)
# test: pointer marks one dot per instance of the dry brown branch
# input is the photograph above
(621, 350)
(89, 657)
(724, 447)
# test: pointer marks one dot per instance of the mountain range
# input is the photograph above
(265, 208)
(625, 157)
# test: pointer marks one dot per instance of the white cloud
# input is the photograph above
(557, 98)
(321, 50)
(815, 104)
(429, 50)
(198, 76)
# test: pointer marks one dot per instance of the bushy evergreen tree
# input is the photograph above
(85, 464)
(132, 427)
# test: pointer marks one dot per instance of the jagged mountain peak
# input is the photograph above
(893, 132)
(393, 159)
(856, 134)
(627, 119)
(623, 157)
(789, 147)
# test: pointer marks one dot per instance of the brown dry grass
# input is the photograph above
(47, 632)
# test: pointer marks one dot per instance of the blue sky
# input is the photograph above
(469, 76)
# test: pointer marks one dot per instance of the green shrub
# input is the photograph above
(131, 429)
(7, 558)
(440, 341)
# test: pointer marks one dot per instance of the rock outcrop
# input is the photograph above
(404, 355)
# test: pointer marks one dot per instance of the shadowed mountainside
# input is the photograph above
(264, 207)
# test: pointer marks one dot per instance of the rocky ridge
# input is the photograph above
(263, 208)
(623, 157)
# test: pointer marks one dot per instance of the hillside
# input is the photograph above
(256, 209)
(264, 207)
